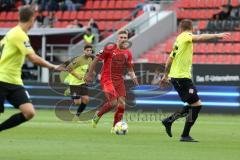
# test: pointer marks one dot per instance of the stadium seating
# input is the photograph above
(196, 14)
(111, 4)
(103, 11)
(212, 52)
(198, 4)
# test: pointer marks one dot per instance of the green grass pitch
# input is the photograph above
(47, 138)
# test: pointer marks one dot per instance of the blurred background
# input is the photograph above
(63, 27)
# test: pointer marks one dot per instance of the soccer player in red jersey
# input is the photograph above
(116, 59)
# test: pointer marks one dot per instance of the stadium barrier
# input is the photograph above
(220, 91)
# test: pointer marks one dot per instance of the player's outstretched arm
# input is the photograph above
(75, 74)
(89, 76)
(71, 69)
(164, 81)
(203, 37)
(133, 76)
(41, 62)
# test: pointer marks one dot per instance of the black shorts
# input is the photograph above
(78, 91)
(14, 94)
(186, 89)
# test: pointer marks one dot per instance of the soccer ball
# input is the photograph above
(121, 128)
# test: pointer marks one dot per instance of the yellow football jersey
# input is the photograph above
(14, 48)
(182, 54)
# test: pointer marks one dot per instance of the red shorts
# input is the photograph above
(113, 90)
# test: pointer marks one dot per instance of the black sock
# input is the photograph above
(190, 120)
(181, 113)
(80, 109)
(13, 121)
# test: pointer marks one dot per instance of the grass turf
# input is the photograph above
(47, 138)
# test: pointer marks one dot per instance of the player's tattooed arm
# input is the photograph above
(133, 76)
(91, 71)
(42, 62)
(71, 68)
(74, 73)
(164, 81)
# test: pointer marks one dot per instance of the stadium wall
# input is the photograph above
(222, 96)
(164, 24)
(219, 74)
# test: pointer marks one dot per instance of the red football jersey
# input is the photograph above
(115, 62)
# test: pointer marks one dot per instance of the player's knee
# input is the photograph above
(77, 101)
(29, 114)
(27, 110)
(114, 103)
(121, 103)
(85, 99)
(197, 103)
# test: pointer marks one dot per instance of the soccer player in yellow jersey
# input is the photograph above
(178, 69)
(78, 68)
(15, 46)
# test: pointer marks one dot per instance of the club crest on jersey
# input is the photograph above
(27, 44)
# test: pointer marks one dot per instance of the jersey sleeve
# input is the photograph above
(102, 54)
(174, 50)
(75, 63)
(129, 60)
(23, 45)
(90, 62)
(188, 37)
